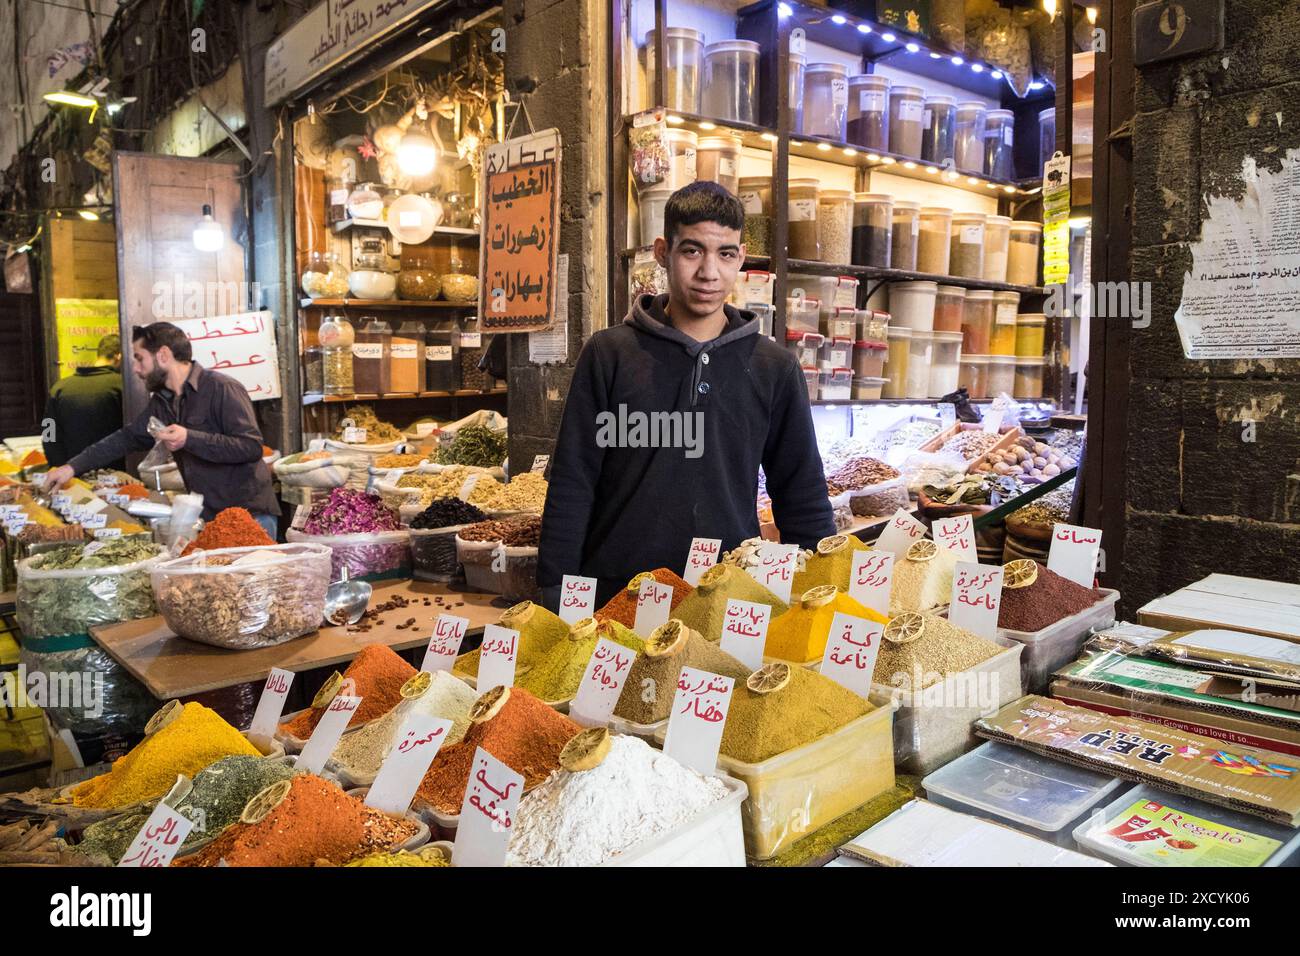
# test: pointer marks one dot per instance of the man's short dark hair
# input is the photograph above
(110, 346)
(702, 201)
(155, 336)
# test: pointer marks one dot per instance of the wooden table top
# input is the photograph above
(172, 666)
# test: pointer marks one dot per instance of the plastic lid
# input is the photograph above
(731, 46)
(1021, 225)
(805, 183)
(873, 197)
(940, 98)
(868, 79)
(970, 217)
(1000, 221)
(906, 204)
(755, 181)
(941, 336)
(936, 211)
(975, 359)
(838, 68)
(906, 91)
(1001, 114)
(809, 303)
(840, 195)
(971, 105)
(1031, 318)
(1002, 359)
(677, 33)
(720, 142)
(873, 346)
(1026, 360)
(898, 333)
(1006, 297)
(1050, 111)
(952, 290)
(793, 336)
(676, 132)
(931, 288)
(980, 294)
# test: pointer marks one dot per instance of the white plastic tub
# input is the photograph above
(1050, 649)
(650, 733)
(1021, 789)
(714, 838)
(912, 305)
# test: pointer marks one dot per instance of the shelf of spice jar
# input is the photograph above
(755, 137)
(345, 224)
(315, 398)
(384, 304)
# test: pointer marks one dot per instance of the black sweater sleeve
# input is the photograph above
(793, 466)
(575, 472)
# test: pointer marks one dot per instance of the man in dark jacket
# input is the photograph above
(670, 415)
(210, 428)
(86, 406)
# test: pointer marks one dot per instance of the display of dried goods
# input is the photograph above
(981, 489)
(445, 513)
(971, 444)
(346, 511)
(859, 473)
(526, 492)
(475, 445)
(746, 554)
(521, 531)
(363, 416)
(70, 590)
(29, 844)
(1032, 460)
(397, 461)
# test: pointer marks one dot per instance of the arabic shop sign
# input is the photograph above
(328, 34)
(241, 346)
(521, 218)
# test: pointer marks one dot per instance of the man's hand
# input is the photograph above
(56, 478)
(173, 437)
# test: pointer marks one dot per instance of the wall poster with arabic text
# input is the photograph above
(241, 346)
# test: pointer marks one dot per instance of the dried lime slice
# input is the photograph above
(416, 686)
(769, 678)
(582, 630)
(635, 584)
(165, 715)
(667, 639)
(516, 617)
(256, 809)
(923, 550)
(819, 596)
(905, 628)
(489, 704)
(832, 544)
(586, 750)
(329, 690)
(1019, 574)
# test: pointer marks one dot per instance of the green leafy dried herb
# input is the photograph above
(475, 445)
(59, 594)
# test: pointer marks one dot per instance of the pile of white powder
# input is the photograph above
(583, 819)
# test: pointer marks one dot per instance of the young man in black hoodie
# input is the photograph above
(630, 486)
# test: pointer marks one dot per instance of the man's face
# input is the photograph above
(702, 266)
(149, 367)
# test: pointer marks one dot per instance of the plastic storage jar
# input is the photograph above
(977, 321)
(825, 100)
(1002, 341)
(1031, 330)
(949, 307)
(869, 359)
(974, 375)
(869, 111)
(920, 355)
(835, 385)
(999, 139)
(997, 233)
(840, 323)
(933, 247)
(684, 51)
(873, 326)
(756, 196)
(967, 248)
(683, 144)
(718, 160)
(806, 346)
(835, 224)
(906, 120)
(1002, 375)
(896, 361)
(811, 378)
(945, 363)
(873, 215)
(802, 212)
(798, 65)
(969, 137)
(903, 235)
(1022, 253)
(913, 305)
(802, 315)
(731, 80)
(651, 204)
(1046, 137)
(868, 387)
(1029, 378)
(938, 131)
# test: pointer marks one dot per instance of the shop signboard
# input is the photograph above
(79, 325)
(241, 346)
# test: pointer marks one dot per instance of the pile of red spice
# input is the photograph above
(134, 490)
(1049, 599)
(315, 821)
(527, 736)
(377, 675)
(231, 528)
(622, 606)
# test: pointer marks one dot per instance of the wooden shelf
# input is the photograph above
(896, 275)
(755, 137)
(312, 398)
(343, 225)
(307, 303)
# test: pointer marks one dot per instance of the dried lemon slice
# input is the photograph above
(582, 630)
(165, 715)
(519, 615)
(832, 544)
(666, 639)
(923, 550)
(1019, 574)
(585, 751)
(819, 596)
(635, 584)
(416, 686)
(712, 577)
(769, 678)
(489, 704)
(905, 628)
(328, 691)
(256, 809)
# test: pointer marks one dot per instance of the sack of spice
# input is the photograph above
(705, 609)
(557, 675)
(70, 590)
(651, 683)
(831, 563)
(622, 606)
(244, 598)
(475, 445)
(376, 675)
(800, 634)
(363, 535)
(305, 471)
(539, 631)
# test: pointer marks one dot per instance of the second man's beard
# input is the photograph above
(155, 380)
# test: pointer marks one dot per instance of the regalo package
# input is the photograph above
(1256, 781)
(1234, 652)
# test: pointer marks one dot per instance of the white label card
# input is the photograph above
(577, 598)
(976, 597)
(328, 730)
(107, 533)
(1074, 553)
(400, 775)
(900, 534)
(744, 631)
(699, 714)
(776, 567)
(95, 521)
(702, 556)
(947, 415)
(444, 646)
(993, 420)
(271, 704)
(159, 839)
(487, 814)
(539, 464)
(602, 682)
(354, 436)
(871, 579)
(60, 501)
(851, 648)
(957, 534)
(500, 652)
(653, 603)
(120, 500)
(471, 340)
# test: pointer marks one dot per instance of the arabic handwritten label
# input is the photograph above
(851, 648)
(414, 747)
(976, 597)
(95, 521)
(487, 814)
(60, 501)
(698, 716)
(241, 346)
(744, 631)
(271, 704)
(577, 598)
(653, 603)
(500, 652)
(539, 464)
(120, 500)
(900, 534)
(957, 534)
(444, 646)
(871, 579)
(702, 556)
(108, 533)
(1074, 553)
(328, 730)
(159, 839)
(602, 682)
(776, 567)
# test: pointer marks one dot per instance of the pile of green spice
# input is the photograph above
(557, 676)
(475, 445)
(622, 606)
(1049, 599)
(56, 604)
(831, 563)
(942, 649)
(651, 683)
(539, 631)
(705, 608)
(810, 706)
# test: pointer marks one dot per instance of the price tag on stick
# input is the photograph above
(851, 648)
(976, 597)
(500, 654)
(159, 839)
(602, 682)
(957, 534)
(417, 743)
(1074, 553)
(539, 464)
(487, 813)
(776, 567)
(444, 647)
(871, 579)
(744, 631)
(900, 534)
(702, 556)
(271, 704)
(577, 598)
(328, 730)
(654, 602)
(699, 713)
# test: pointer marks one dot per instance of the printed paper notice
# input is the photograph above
(551, 346)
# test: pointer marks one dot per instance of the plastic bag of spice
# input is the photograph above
(881, 499)
(433, 552)
(372, 555)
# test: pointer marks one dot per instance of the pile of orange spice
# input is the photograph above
(622, 606)
(231, 528)
(377, 675)
(134, 491)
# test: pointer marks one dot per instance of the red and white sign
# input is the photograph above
(1074, 553)
(871, 579)
(417, 743)
(702, 556)
(444, 646)
(271, 704)
(901, 533)
(976, 598)
(487, 814)
(957, 534)
(577, 598)
(500, 653)
(241, 346)
(777, 564)
(698, 716)
(159, 839)
(851, 648)
(744, 631)
(328, 730)
(602, 682)
(654, 602)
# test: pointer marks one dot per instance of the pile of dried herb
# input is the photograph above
(475, 445)
(377, 432)
(71, 590)
(446, 512)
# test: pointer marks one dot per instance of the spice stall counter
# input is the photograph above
(8, 601)
(171, 667)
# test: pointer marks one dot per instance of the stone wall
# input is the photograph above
(1201, 496)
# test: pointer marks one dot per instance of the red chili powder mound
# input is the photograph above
(377, 676)
(231, 528)
(1049, 599)
(622, 606)
(527, 736)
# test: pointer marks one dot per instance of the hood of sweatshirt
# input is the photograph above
(644, 316)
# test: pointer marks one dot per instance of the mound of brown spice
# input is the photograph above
(1049, 599)
(377, 675)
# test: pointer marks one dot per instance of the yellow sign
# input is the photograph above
(79, 325)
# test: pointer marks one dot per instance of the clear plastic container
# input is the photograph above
(812, 380)
(1031, 333)
(684, 51)
(802, 315)
(1046, 138)
(868, 388)
(967, 246)
(836, 354)
(896, 361)
(1020, 789)
(718, 160)
(798, 64)
(683, 144)
(904, 235)
(1022, 253)
(872, 226)
(949, 304)
(977, 321)
(933, 247)
(920, 355)
(835, 211)
(869, 359)
(945, 363)
(1002, 375)
(802, 214)
(873, 326)
(370, 357)
(825, 100)
(840, 324)
(868, 124)
(651, 204)
(442, 357)
(999, 140)
(1002, 340)
(997, 234)
(1050, 649)
(835, 385)
(913, 305)
(1029, 378)
(939, 130)
(755, 194)
(406, 362)
(906, 120)
(731, 80)
(974, 375)
(969, 145)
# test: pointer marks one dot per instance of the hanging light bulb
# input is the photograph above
(417, 154)
(1050, 7)
(208, 234)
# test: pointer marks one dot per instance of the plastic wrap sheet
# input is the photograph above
(433, 553)
(371, 556)
(923, 468)
(56, 602)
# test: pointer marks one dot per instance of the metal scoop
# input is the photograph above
(346, 600)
